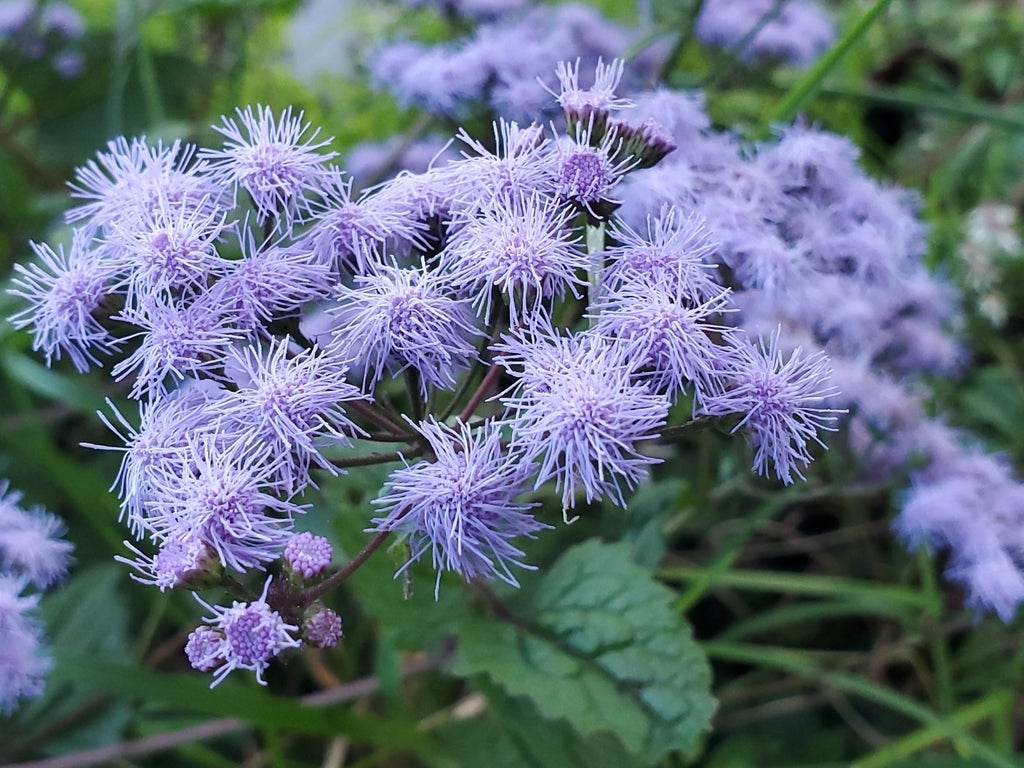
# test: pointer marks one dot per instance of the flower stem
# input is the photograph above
(319, 590)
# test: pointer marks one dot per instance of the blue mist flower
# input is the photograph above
(461, 506)
(271, 158)
(30, 543)
(64, 292)
(395, 318)
(783, 402)
(244, 636)
(579, 411)
(524, 248)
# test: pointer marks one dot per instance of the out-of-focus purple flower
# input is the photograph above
(271, 158)
(523, 248)
(471, 9)
(307, 554)
(23, 658)
(782, 401)
(65, 292)
(394, 319)
(793, 31)
(322, 629)
(250, 635)
(579, 410)
(30, 543)
(461, 506)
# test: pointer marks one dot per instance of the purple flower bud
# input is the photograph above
(205, 649)
(323, 629)
(308, 555)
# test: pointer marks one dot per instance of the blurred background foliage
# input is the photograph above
(829, 644)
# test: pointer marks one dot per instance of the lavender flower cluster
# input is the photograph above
(260, 314)
(812, 246)
(32, 558)
(794, 32)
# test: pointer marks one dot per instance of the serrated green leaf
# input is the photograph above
(600, 647)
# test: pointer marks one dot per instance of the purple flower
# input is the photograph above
(224, 498)
(271, 158)
(593, 105)
(794, 31)
(580, 411)
(322, 629)
(524, 248)
(517, 167)
(588, 170)
(395, 319)
(461, 506)
(354, 233)
(131, 176)
(674, 255)
(781, 401)
(168, 246)
(668, 337)
(250, 635)
(30, 543)
(174, 563)
(65, 292)
(308, 555)
(270, 281)
(291, 402)
(23, 660)
(174, 342)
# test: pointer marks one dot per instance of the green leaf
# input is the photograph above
(600, 647)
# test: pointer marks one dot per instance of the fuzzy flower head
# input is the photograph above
(322, 629)
(523, 248)
(593, 105)
(244, 636)
(396, 319)
(65, 292)
(132, 176)
(589, 168)
(30, 543)
(461, 506)
(579, 410)
(291, 401)
(271, 158)
(783, 402)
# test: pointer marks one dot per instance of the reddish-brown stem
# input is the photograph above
(373, 414)
(319, 590)
(374, 458)
(481, 392)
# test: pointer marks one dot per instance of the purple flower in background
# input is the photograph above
(394, 319)
(782, 401)
(793, 31)
(30, 555)
(461, 506)
(579, 410)
(250, 635)
(523, 248)
(271, 158)
(30, 543)
(65, 292)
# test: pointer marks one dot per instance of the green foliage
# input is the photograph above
(598, 645)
